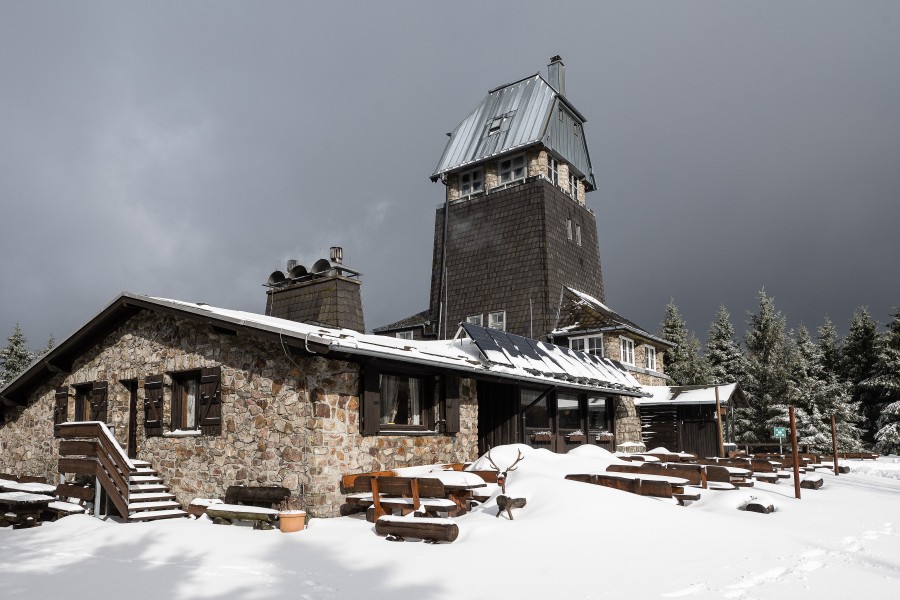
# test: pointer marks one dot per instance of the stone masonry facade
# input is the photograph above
(286, 420)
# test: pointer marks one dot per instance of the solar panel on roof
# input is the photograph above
(486, 344)
(503, 340)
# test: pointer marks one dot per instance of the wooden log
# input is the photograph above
(439, 530)
(812, 483)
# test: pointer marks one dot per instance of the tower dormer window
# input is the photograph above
(471, 182)
(512, 169)
(553, 170)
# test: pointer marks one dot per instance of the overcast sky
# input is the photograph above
(187, 150)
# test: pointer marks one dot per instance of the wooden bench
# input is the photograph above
(381, 495)
(636, 483)
(226, 514)
(264, 496)
(64, 506)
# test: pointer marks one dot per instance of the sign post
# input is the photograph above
(834, 444)
(780, 433)
(795, 453)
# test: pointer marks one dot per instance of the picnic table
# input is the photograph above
(23, 509)
(32, 488)
(460, 486)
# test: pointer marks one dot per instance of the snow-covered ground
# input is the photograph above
(572, 540)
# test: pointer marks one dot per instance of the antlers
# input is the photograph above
(501, 474)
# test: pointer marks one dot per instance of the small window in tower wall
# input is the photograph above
(578, 234)
(497, 320)
(553, 170)
(471, 182)
(512, 169)
(475, 320)
(569, 229)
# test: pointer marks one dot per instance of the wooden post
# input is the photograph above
(719, 421)
(795, 453)
(834, 445)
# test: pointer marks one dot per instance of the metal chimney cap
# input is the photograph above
(337, 254)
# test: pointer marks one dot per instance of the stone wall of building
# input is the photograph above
(628, 423)
(286, 420)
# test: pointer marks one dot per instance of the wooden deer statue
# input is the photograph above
(504, 502)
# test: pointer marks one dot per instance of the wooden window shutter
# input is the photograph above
(99, 401)
(210, 420)
(451, 404)
(153, 397)
(60, 408)
(370, 407)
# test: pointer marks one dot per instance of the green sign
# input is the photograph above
(781, 432)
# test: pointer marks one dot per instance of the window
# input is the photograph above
(568, 413)
(395, 401)
(573, 185)
(475, 320)
(650, 357)
(90, 401)
(569, 229)
(404, 335)
(627, 350)
(553, 170)
(196, 401)
(512, 169)
(497, 320)
(597, 420)
(471, 182)
(536, 414)
(593, 344)
(578, 234)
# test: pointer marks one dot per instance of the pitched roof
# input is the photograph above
(461, 355)
(692, 394)
(514, 116)
(580, 312)
(417, 320)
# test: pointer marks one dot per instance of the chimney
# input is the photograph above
(328, 293)
(556, 74)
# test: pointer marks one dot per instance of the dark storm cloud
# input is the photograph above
(188, 150)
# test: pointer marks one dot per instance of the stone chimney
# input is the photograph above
(328, 293)
(556, 74)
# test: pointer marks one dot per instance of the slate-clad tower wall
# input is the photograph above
(513, 250)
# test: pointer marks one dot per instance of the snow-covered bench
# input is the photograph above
(226, 514)
(382, 495)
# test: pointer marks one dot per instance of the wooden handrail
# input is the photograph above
(111, 465)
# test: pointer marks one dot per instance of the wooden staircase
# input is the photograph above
(132, 486)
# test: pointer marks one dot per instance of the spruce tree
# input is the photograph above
(695, 371)
(674, 331)
(15, 357)
(883, 387)
(859, 353)
(829, 348)
(766, 383)
(723, 355)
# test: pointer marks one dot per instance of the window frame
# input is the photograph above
(588, 342)
(623, 342)
(491, 320)
(471, 319)
(440, 402)
(404, 335)
(207, 403)
(573, 185)
(578, 235)
(649, 351)
(553, 170)
(569, 229)
(471, 174)
(511, 170)
(180, 408)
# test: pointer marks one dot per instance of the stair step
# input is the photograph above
(158, 514)
(144, 479)
(141, 506)
(140, 463)
(145, 471)
(148, 487)
(150, 496)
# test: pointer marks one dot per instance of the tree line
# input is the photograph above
(855, 378)
(16, 356)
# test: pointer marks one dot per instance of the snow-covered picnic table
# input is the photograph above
(23, 508)
(33, 488)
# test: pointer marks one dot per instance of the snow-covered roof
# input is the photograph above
(582, 312)
(689, 394)
(566, 368)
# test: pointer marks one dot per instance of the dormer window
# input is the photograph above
(553, 170)
(494, 127)
(512, 169)
(471, 182)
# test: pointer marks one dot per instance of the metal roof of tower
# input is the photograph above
(514, 116)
